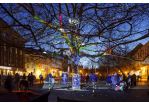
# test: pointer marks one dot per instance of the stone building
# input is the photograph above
(12, 53)
(38, 63)
(141, 68)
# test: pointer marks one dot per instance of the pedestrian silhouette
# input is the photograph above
(7, 83)
(41, 78)
(24, 77)
(17, 78)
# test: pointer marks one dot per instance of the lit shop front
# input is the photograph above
(4, 70)
(143, 73)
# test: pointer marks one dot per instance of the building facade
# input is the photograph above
(11, 51)
(141, 68)
(38, 63)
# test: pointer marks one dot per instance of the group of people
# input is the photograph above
(87, 78)
(31, 77)
(116, 79)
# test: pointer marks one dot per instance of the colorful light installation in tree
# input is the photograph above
(78, 46)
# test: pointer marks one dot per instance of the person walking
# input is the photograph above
(87, 78)
(32, 78)
(17, 78)
(50, 76)
(7, 83)
(114, 81)
(29, 78)
(132, 84)
(84, 78)
(41, 78)
(24, 77)
(108, 79)
(134, 79)
(129, 81)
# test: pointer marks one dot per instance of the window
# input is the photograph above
(5, 59)
(10, 60)
(16, 62)
(21, 63)
(27, 65)
(4, 47)
(16, 50)
(4, 35)
(142, 52)
(148, 49)
(10, 49)
(10, 37)
(20, 52)
(27, 59)
(32, 65)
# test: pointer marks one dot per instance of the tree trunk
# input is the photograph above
(75, 74)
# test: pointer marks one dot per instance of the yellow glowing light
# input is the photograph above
(42, 69)
(119, 70)
(38, 72)
(141, 68)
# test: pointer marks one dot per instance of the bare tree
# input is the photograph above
(81, 28)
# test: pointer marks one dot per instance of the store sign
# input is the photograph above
(4, 67)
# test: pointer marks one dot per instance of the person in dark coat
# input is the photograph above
(134, 79)
(29, 78)
(41, 78)
(128, 81)
(108, 79)
(87, 78)
(24, 77)
(7, 83)
(132, 84)
(17, 78)
(32, 78)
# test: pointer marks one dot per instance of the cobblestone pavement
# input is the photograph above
(102, 93)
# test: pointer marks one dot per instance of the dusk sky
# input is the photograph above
(141, 26)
